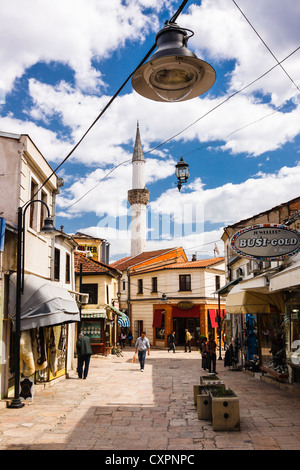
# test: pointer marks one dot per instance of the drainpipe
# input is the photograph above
(60, 183)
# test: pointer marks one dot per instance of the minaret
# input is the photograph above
(138, 198)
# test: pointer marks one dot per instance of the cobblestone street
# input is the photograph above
(119, 408)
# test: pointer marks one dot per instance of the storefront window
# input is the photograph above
(57, 351)
(160, 332)
(292, 328)
(272, 342)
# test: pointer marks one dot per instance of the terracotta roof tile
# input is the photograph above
(91, 266)
(130, 261)
(202, 263)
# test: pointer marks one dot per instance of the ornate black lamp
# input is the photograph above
(173, 73)
(182, 172)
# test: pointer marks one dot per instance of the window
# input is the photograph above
(218, 282)
(92, 290)
(43, 209)
(33, 207)
(184, 282)
(56, 264)
(68, 263)
(124, 285)
(140, 286)
(154, 284)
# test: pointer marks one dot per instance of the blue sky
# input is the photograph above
(62, 61)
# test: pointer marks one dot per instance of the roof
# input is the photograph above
(84, 235)
(91, 266)
(202, 263)
(242, 222)
(131, 261)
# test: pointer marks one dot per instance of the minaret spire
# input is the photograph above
(138, 198)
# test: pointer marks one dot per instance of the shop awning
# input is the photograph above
(289, 277)
(193, 312)
(124, 321)
(213, 317)
(241, 301)
(157, 318)
(121, 316)
(44, 303)
(93, 313)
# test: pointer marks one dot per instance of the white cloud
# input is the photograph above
(71, 32)
(232, 202)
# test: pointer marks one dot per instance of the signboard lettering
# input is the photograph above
(266, 242)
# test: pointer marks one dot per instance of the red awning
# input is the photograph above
(157, 318)
(213, 318)
(193, 312)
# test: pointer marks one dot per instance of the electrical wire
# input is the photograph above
(273, 55)
(109, 103)
(190, 125)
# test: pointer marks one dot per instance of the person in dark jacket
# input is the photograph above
(84, 351)
(171, 341)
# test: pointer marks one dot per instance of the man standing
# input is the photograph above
(188, 338)
(84, 351)
(141, 346)
(211, 350)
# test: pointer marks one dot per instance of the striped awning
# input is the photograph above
(89, 313)
(124, 321)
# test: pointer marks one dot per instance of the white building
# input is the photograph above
(46, 304)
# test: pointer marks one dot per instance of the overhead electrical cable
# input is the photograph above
(109, 103)
(201, 117)
(273, 55)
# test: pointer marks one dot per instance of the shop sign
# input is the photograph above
(185, 305)
(2, 233)
(266, 242)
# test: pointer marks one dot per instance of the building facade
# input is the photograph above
(164, 292)
(45, 305)
(262, 302)
(99, 316)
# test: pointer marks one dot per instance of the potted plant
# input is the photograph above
(211, 379)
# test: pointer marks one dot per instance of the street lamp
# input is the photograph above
(182, 172)
(173, 73)
(47, 229)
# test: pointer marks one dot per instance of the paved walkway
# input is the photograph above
(119, 408)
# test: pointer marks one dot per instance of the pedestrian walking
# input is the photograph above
(188, 338)
(171, 340)
(122, 338)
(142, 345)
(204, 354)
(84, 351)
(211, 350)
(129, 337)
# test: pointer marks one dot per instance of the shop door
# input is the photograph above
(181, 324)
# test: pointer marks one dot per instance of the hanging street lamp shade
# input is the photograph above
(48, 227)
(173, 73)
(182, 172)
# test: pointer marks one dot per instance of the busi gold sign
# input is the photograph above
(266, 242)
(185, 305)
